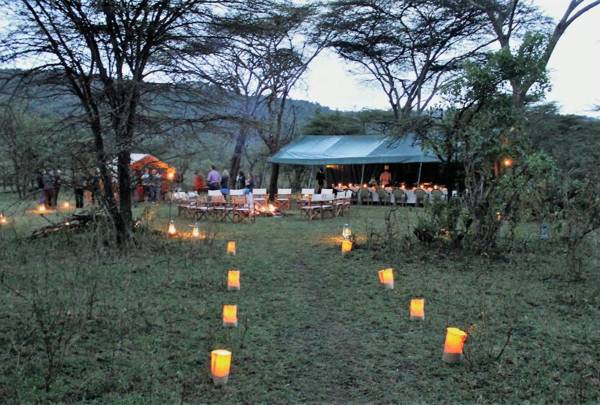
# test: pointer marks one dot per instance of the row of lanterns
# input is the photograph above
(455, 337)
(220, 359)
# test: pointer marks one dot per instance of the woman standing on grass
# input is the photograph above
(225, 182)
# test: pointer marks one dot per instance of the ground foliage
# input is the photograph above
(314, 326)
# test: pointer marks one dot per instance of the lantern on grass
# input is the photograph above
(231, 247)
(66, 205)
(507, 162)
(230, 316)
(220, 364)
(233, 280)
(346, 246)
(3, 219)
(453, 346)
(417, 309)
(386, 277)
(171, 230)
(196, 231)
(347, 232)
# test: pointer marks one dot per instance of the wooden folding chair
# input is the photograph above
(284, 198)
(218, 205)
(261, 198)
(327, 205)
(312, 208)
(240, 210)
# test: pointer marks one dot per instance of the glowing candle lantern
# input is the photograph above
(220, 364)
(230, 315)
(417, 309)
(233, 280)
(42, 209)
(453, 346)
(507, 162)
(346, 246)
(386, 277)
(66, 205)
(3, 219)
(231, 248)
(347, 232)
(171, 230)
(196, 231)
(171, 175)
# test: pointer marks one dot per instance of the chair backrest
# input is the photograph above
(214, 193)
(327, 191)
(217, 199)
(308, 191)
(317, 198)
(420, 193)
(259, 191)
(383, 195)
(192, 194)
(327, 197)
(284, 191)
(340, 195)
(399, 194)
(238, 200)
(437, 194)
(236, 192)
(349, 194)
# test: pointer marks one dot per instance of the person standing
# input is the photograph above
(199, 185)
(241, 180)
(320, 179)
(225, 182)
(39, 178)
(78, 186)
(213, 179)
(57, 184)
(385, 178)
(48, 187)
(147, 185)
(156, 183)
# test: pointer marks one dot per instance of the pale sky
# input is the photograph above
(574, 71)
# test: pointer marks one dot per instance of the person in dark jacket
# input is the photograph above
(78, 187)
(320, 179)
(241, 180)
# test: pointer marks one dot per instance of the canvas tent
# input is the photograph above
(357, 158)
(141, 161)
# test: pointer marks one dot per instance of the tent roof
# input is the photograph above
(352, 149)
(143, 160)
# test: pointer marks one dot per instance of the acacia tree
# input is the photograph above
(408, 47)
(103, 52)
(510, 19)
(268, 49)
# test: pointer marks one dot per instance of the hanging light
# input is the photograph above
(347, 232)
(417, 309)
(230, 316)
(386, 277)
(171, 230)
(453, 346)
(220, 364)
(233, 280)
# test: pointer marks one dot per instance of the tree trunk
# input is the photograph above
(236, 158)
(273, 182)
(124, 160)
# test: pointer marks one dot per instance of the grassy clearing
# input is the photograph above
(314, 327)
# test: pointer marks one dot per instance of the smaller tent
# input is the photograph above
(142, 161)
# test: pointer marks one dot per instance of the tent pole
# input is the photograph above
(419, 178)
(362, 175)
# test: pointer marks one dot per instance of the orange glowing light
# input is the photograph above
(42, 209)
(233, 280)
(171, 230)
(220, 364)
(507, 162)
(346, 246)
(453, 346)
(66, 205)
(231, 248)
(417, 309)
(171, 175)
(230, 315)
(3, 219)
(386, 277)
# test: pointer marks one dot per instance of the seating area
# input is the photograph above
(239, 206)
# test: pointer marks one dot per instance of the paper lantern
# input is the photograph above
(386, 277)
(230, 316)
(3, 219)
(347, 232)
(507, 162)
(231, 247)
(66, 205)
(171, 230)
(196, 231)
(233, 280)
(417, 309)
(346, 246)
(42, 209)
(453, 346)
(220, 364)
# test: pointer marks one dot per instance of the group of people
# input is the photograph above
(385, 179)
(48, 183)
(152, 185)
(216, 180)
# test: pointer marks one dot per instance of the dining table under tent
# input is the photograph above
(357, 159)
